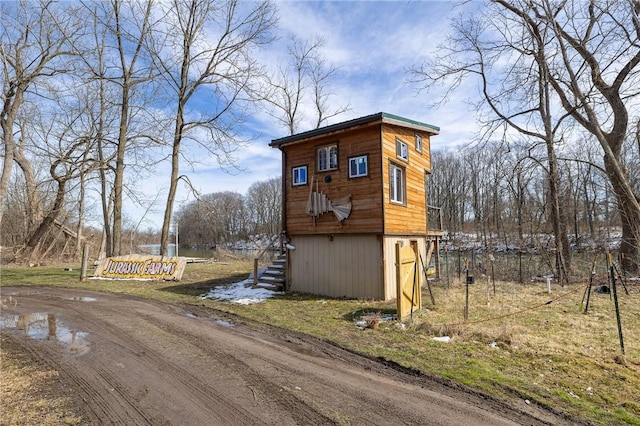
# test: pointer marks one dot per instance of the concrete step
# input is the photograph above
(269, 286)
(271, 279)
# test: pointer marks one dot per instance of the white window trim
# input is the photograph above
(418, 143)
(393, 190)
(293, 176)
(402, 148)
(327, 152)
(366, 165)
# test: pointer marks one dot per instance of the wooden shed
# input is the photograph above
(351, 192)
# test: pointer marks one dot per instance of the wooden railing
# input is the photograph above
(434, 219)
(256, 258)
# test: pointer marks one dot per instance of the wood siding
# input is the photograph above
(355, 258)
(365, 192)
(410, 218)
(346, 266)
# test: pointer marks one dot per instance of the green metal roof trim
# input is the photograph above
(381, 117)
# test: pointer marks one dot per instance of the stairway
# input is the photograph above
(274, 278)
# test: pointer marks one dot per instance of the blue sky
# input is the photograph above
(373, 43)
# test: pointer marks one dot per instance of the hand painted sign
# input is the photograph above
(141, 267)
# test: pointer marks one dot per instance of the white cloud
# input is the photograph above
(373, 43)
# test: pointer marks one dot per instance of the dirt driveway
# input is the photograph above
(137, 362)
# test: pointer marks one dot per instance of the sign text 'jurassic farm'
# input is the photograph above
(141, 267)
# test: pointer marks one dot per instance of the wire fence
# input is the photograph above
(522, 266)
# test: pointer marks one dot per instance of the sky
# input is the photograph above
(373, 44)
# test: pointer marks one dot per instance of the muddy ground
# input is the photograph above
(128, 361)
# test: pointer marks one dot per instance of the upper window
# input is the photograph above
(299, 175)
(418, 143)
(396, 184)
(358, 166)
(327, 158)
(402, 150)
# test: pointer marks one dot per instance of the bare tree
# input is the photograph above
(264, 202)
(303, 81)
(446, 188)
(132, 74)
(118, 63)
(511, 62)
(69, 158)
(213, 219)
(591, 61)
(209, 56)
(35, 38)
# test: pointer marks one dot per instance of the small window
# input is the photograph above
(396, 184)
(402, 150)
(358, 166)
(418, 143)
(299, 175)
(327, 158)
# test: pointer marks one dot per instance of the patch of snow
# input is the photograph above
(444, 339)
(241, 292)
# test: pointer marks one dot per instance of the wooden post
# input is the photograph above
(424, 270)
(493, 276)
(615, 301)
(85, 261)
(446, 261)
(588, 289)
(520, 265)
(466, 303)
(255, 270)
(176, 250)
(548, 278)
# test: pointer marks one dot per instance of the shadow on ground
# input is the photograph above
(200, 287)
(355, 315)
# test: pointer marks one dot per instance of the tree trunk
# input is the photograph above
(77, 252)
(629, 210)
(563, 252)
(106, 199)
(118, 181)
(37, 237)
(173, 186)
(35, 206)
(13, 100)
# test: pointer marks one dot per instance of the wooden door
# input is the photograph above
(407, 280)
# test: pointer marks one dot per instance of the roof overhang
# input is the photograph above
(379, 118)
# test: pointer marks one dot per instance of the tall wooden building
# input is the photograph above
(351, 191)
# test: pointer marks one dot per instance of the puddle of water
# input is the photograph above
(44, 326)
(84, 299)
(191, 315)
(223, 323)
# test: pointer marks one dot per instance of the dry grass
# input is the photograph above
(542, 346)
(526, 317)
(30, 393)
(521, 343)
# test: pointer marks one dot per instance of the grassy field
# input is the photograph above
(520, 343)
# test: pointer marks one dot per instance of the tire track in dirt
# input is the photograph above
(327, 366)
(104, 400)
(151, 363)
(253, 380)
(124, 346)
(206, 395)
